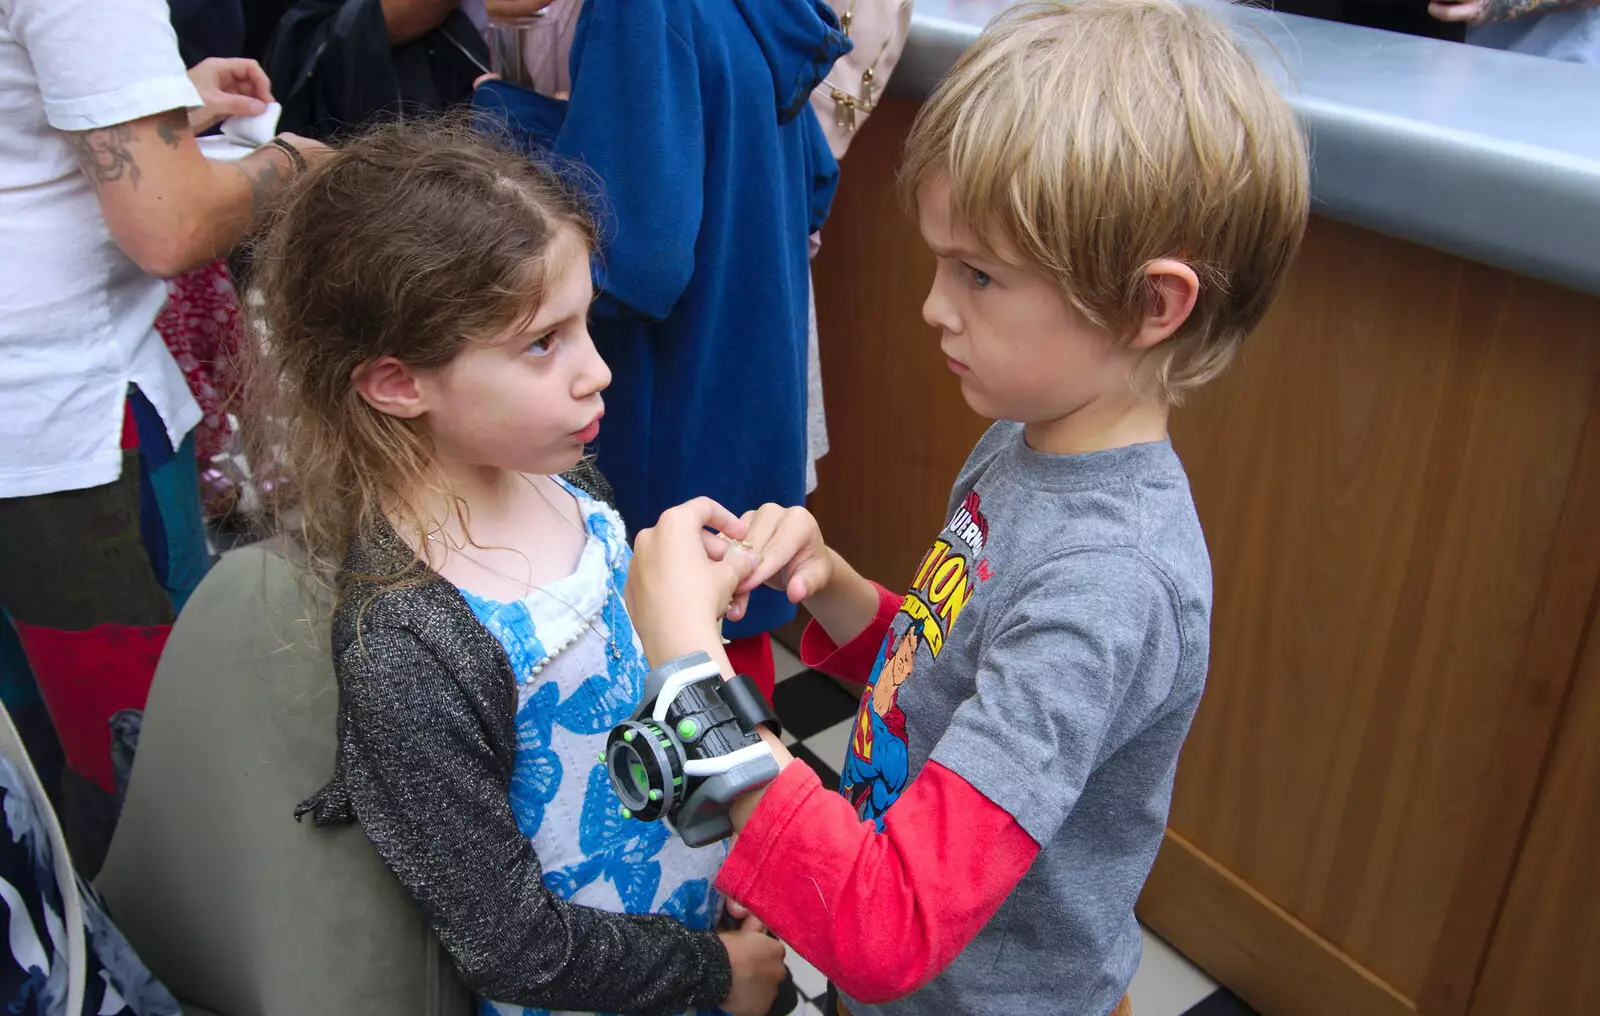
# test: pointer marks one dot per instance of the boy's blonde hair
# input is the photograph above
(1086, 139)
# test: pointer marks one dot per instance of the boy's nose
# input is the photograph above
(938, 313)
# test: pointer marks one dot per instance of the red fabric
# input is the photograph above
(85, 677)
(130, 428)
(200, 325)
(752, 656)
(881, 914)
(895, 720)
(853, 661)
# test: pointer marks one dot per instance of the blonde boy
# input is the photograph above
(1114, 192)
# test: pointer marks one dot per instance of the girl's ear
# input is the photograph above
(390, 387)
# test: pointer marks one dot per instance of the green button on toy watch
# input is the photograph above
(691, 748)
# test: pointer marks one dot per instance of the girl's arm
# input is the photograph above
(422, 780)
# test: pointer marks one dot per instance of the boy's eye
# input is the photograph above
(980, 279)
(542, 345)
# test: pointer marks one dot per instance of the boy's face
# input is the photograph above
(1021, 350)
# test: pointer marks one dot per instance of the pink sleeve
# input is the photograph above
(881, 914)
(854, 660)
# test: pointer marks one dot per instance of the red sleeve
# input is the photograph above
(854, 660)
(881, 914)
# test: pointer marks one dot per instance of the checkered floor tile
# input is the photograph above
(817, 714)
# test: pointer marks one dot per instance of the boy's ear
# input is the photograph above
(390, 387)
(1173, 288)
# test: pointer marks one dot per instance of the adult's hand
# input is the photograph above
(1472, 12)
(511, 10)
(1483, 12)
(228, 87)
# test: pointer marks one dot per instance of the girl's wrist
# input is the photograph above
(686, 639)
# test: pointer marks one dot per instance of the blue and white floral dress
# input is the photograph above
(580, 671)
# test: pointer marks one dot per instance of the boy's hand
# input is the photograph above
(794, 559)
(758, 969)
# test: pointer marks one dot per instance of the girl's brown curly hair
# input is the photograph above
(412, 240)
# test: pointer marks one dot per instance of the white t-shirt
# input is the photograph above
(76, 315)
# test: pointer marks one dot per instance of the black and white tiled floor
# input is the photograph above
(817, 716)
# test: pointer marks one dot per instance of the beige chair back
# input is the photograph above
(237, 907)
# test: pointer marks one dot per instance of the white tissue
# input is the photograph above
(253, 131)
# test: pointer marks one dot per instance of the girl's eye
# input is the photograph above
(542, 345)
(979, 279)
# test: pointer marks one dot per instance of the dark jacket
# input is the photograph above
(207, 28)
(694, 116)
(334, 70)
(427, 745)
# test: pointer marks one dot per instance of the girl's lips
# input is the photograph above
(590, 432)
(955, 365)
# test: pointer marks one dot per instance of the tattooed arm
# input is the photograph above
(1482, 12)
(169, 207)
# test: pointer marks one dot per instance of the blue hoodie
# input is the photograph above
(694, 115)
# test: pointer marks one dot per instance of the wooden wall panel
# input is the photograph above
(1535, 709)
(1252, 945)
(1381, 481)
(1543, 960)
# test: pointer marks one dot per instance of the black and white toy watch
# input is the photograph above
(691, 748)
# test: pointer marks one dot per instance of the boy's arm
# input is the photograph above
(880, 913)
(883, 913)
(850, 617)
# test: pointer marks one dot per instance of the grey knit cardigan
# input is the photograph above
(427, 742)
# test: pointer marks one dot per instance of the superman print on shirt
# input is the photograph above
(876, 766)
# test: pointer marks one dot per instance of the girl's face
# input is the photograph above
(529, 400)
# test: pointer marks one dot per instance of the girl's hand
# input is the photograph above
(684, 577)
(742, 916)
(758, 969)
(228, 87)
(794, 559)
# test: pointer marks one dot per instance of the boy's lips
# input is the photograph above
(590, 432)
